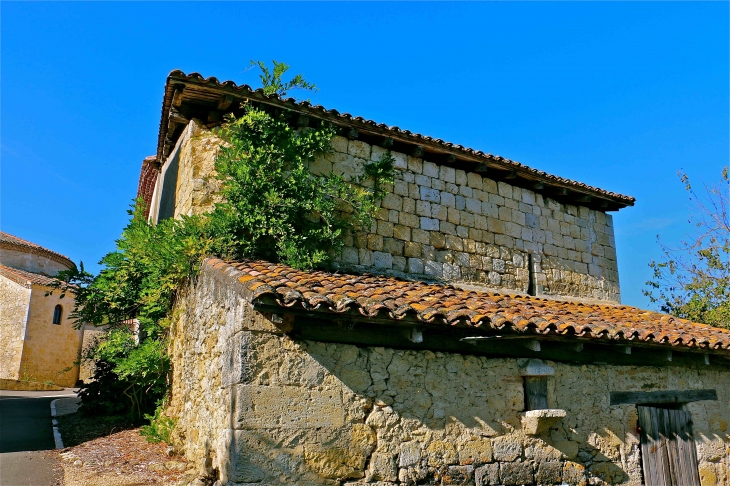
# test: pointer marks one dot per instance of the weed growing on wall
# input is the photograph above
(272, 208)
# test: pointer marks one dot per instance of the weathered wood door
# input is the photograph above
(668, 451)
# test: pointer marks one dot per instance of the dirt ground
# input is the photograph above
(105, 452)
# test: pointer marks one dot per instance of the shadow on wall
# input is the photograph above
(312, 413)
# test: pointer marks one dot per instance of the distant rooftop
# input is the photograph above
(13, 242)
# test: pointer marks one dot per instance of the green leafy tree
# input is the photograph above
(693, 280)
(139, 281)
(272, 207)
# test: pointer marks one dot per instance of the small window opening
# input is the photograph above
(533, 268)
(536, 392)
(57, 312)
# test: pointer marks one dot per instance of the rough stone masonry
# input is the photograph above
(257, 407)
(441, 223)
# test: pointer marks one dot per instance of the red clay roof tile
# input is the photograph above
(439, 304)
(27, 279)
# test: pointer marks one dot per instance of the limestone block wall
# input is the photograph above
(256, 407)
(14, 304)
(439, 223)
(50, 350)
(446, 224)
(186, 184)
(91, 337)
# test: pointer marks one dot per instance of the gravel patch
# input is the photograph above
(121, 459)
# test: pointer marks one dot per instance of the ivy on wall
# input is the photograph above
(272, 208)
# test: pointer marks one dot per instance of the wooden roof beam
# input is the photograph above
(177, 96)
(662, 397)
(225, 101)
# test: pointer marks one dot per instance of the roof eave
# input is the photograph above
(226, 95)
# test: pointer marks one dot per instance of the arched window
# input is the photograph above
(57, 314)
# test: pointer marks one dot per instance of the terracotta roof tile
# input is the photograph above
(27, 279)
(176, 77)
(147, 179)
(8, 240)
(445, 305)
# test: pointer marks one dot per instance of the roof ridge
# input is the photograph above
(177, 75)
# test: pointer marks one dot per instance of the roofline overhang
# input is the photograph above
(188, 95)
(353, 328)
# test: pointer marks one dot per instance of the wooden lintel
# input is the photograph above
(387, 142)
(177, 117)
(538, 186)
(171, 127)
(450, 159)
(351, 133)
(418, 151)
(225, 101)
(177, 96)
(302, 120)
(482, 168)
(659, 397)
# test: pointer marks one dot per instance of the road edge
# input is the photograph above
(56, 433)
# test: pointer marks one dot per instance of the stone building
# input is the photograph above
(474, 335)
(39, 341)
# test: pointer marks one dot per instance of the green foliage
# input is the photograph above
(693, 281)
(101, 396)
(139, 281)
(382, 173)
(160, 427)
(272, 83)
(274, 207)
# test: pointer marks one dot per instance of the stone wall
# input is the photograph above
(30, 262)
(92, 335)
(440, 223)
(14, 305)
(51, 349)
(255, 406)
(446, 224)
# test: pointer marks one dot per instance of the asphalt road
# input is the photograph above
(26, 434)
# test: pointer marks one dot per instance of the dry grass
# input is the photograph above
(106, 451)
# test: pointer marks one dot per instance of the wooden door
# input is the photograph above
(667, 447)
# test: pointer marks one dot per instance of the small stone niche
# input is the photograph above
(538, 418)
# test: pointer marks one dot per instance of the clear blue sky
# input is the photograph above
(619, 95)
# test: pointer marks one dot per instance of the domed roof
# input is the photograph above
(14, 243)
